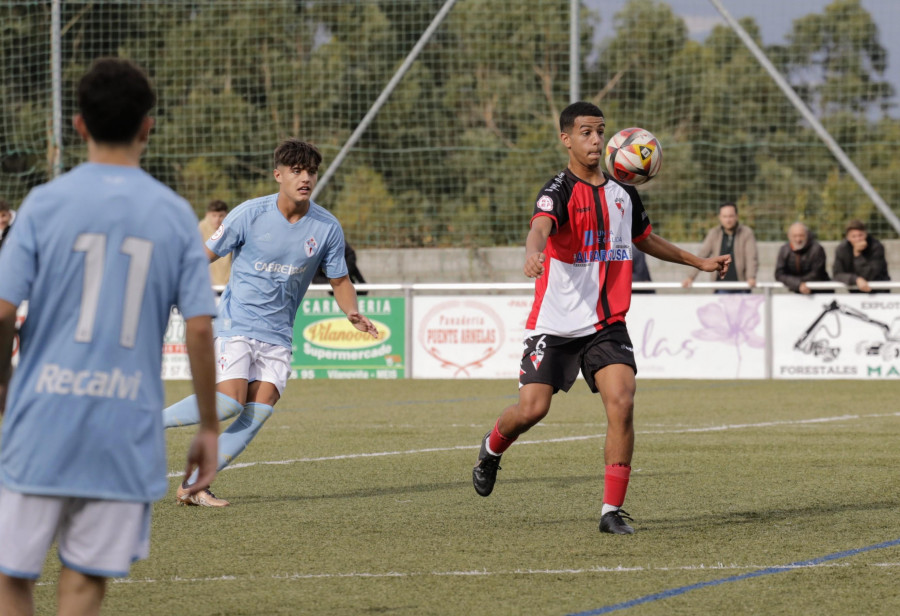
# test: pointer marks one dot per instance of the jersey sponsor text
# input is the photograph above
(55, 379)
(280, 268)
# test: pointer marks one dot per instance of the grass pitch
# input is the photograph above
(356, 498)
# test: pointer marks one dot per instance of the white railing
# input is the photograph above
(638, 286)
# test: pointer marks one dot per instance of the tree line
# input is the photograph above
(464, 143)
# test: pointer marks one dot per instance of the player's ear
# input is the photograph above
(147, 125)
(566, 139)
(80, 126)
(277, 175)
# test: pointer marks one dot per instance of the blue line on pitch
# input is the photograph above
(674, 592)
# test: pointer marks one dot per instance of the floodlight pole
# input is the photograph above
(382, 98)
(574, 51)
(798, 103)
(55, 150)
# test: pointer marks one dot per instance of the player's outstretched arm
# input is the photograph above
(535, 243)
(665, 250)
(203, 452)
(7, 335)
(345, 296)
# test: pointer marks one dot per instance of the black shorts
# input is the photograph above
(554, 360)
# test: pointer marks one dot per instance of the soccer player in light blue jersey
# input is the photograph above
(277, 244)
(100, 254)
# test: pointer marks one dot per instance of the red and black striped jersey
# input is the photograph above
(586, 284)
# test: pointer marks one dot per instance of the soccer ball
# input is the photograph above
(633, 156)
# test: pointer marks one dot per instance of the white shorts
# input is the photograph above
(96, 537)
(240, 357)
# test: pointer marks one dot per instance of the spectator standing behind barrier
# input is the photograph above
(356, 276)
(801, 260)
(6, 219)
(859, 259)
(220, 270)
(730, 238)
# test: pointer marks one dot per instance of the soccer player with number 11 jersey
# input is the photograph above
(579, 248)
(101, 254)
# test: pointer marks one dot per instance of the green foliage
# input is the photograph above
(462, 145)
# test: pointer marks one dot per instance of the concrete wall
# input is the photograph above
(505, 264)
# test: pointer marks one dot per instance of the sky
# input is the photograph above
(775, 18)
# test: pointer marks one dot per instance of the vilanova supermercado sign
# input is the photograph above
(327, 345)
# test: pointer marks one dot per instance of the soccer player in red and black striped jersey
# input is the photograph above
(579, 249)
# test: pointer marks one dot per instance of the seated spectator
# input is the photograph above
(801, 260)
(639, 270)
(353, 272)
(6, 218)
(216, 211)
(730, 238)
(859, 259)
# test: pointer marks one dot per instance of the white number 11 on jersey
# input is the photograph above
(93, 245)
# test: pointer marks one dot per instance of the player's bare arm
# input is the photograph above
(213, 257)
(665, 250)
(345, 296)
(7, 334)
(535, 244)
(203, 452)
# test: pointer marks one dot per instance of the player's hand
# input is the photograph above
(863, 285)
(203, 455)
(363, 324)
(718, 264)
(804, 289)
(534, 265)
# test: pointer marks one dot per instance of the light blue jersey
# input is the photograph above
(101, 254)
(273, 263)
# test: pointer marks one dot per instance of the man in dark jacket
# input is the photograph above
(6, 218)
(353, 272)
(859, 259)
(801, 260)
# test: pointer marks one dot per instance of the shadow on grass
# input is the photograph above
(464, 484)
(764, 516)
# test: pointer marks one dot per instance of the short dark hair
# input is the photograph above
(855, 225)
(114, 97)
(581, 108)
(4, 205)
(292, 153)
(729, 204)
(217, 205)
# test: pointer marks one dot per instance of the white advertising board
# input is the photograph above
(469, 336)
(697, 336)
(175, 363)
(837, 336)
(716, 336)
(694, 336)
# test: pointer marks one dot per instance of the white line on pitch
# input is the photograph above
(483, 572)
(562, 439)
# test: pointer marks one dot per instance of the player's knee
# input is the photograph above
(531, 413)
(620, 409)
